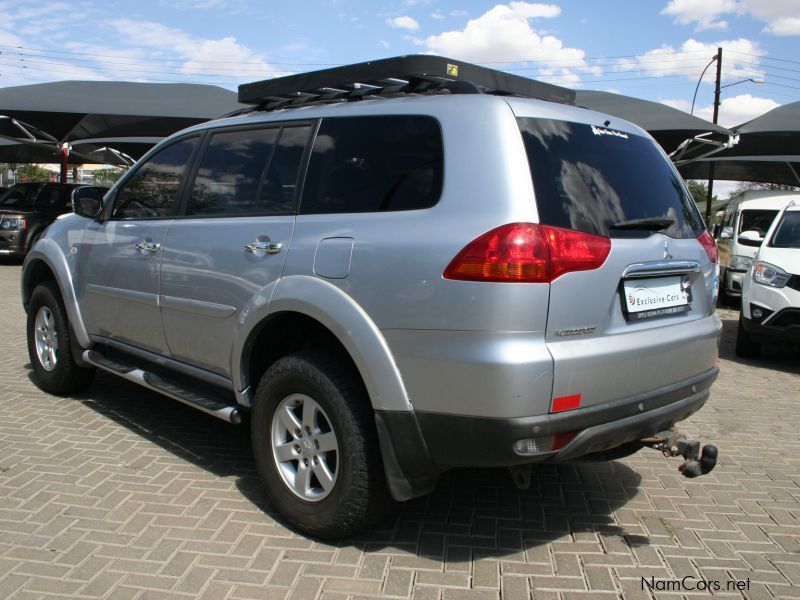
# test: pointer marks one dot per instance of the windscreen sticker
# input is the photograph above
(604, 131)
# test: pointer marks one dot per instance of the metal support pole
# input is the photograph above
(717, 89)
(64, 162)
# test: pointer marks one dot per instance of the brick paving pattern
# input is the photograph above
(120, 493)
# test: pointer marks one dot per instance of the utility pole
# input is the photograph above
(717, 89)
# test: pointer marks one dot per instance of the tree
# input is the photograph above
(753, 185)
(33, 172)
(699, 191)
(107, 177)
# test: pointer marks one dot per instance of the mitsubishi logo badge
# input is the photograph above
(666, 250)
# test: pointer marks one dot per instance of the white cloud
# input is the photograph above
(732, 111)
(437, 15)
(200, 54)
(781, 16)
(504, 34)
(705, 13)
(404, 22)
(692, 56)
(784, 26)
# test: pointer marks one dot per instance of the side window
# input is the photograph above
(280, 183)
(230, 172)
(152, 191)
(371, 164)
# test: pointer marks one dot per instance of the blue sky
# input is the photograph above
(654, 49)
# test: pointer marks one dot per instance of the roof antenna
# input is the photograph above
(606, 123)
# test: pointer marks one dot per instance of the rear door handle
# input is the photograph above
(268, 247)
(148, 247)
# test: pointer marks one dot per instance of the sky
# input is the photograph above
(652, 49)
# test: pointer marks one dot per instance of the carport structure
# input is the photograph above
(768, 151)
(105, 114)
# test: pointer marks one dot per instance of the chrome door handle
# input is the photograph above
(268, 247)
(148, 247)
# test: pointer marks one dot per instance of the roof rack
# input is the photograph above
(412, 74)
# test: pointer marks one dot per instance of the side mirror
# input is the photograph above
(86, 202)
(751, 238)
(727, 233)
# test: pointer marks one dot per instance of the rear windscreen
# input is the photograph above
(589, 178)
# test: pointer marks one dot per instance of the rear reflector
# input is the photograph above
(709, 245)
(566, 403)
(528, 253)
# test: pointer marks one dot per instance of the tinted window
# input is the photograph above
(369, 164)
(152, 191)
(277, 195)
(756, 220)
(787, 233)
(20, 195)
(588, 178)
(53, 197)
(230, 172)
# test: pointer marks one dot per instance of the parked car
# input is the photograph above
(396, 286)
(26, 209)
(771, 289)
(751, 211)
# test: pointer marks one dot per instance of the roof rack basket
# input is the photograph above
(413, 74)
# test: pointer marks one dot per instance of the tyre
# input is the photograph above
(49, 344)
(315, 445)
(745, 346)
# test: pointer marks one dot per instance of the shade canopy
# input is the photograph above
(74, 110)
(781, 169)
(23, 152)
(669, 126)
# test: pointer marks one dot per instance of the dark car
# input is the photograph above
(26, 209)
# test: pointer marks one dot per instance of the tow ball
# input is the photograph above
(674, 443)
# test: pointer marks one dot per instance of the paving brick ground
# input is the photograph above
(119, 493)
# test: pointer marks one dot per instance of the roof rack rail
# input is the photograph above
(412, 74)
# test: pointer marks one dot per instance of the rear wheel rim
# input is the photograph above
(305, 447)
(46, 338)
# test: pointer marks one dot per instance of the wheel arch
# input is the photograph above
(47, 262)
(307, 305)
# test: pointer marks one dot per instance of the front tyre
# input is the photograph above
(746, 347)
(49, 347)
(315, 445)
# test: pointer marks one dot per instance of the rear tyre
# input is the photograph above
(49, 344)
(746, 347)
(315, 445)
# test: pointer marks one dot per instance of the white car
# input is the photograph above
(771, 288)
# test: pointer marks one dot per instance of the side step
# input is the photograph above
(151, 381)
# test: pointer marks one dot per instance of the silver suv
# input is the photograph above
(442, 274)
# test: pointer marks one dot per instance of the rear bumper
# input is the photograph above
(12, 243)
(420, 447)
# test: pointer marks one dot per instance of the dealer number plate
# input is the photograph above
(646, 298)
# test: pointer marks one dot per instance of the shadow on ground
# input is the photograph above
(477, 510)
(773, 356)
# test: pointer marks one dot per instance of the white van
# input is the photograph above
(747, 218)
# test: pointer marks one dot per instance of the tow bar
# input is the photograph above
(674, 443)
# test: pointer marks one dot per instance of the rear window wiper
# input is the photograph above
(649, 224)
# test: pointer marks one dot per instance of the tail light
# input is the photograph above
(709, 245)
(528, 253)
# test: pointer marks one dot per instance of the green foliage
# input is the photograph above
(106, 177)
(33, 172)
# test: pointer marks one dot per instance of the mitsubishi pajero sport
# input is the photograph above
(392, 269)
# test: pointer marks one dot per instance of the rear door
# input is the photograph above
(629, 326)
(232, 240)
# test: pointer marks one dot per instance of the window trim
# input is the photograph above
(280, 125)
(108, 210)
